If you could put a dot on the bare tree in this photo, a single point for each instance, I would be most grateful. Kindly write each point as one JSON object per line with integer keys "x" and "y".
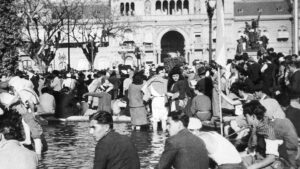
{"x": 44, "y": 22}
{"x": 97, "y": 23}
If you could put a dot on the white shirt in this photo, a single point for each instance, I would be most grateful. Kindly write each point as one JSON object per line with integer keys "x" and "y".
{"x": 47, "y": 104}
{"x": 220, "y": 149}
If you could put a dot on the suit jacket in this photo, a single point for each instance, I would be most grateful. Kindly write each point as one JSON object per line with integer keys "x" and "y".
{"x": 184, "y": 151}
{"x": 116, "y": 151}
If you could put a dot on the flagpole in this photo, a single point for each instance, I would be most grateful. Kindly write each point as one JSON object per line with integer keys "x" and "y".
{"x": 296, "y": 22}
{"x": 220, "y": 100}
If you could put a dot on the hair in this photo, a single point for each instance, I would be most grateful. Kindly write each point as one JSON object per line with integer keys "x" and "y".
{"x": 45, "y": 90}
{"x": 101, "y": 73}
{"x": 103, "y": 117}
{"x": 241, "y": 86}
{"x": 137, "y": 79}
{"x": 254, "y": 107}
{"x": 159, "y": 68}
{"x": 294, "y": 64}
{"x": 65, "y": 90}
{"x": 10, "y": 125}
{"x": 55, "y": 72}
{"x": 180, "y": 116}
{"x": 200, "y": 86}
{"x": 235, "y": 88}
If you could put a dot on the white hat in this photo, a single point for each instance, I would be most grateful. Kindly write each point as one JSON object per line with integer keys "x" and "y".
{"x": 194, "y": 124}
{"x": 68, "y": 75}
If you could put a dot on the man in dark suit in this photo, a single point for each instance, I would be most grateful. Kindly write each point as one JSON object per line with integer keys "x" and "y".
{"x": 183, "y": 150}
{"x": 113, "y": 150}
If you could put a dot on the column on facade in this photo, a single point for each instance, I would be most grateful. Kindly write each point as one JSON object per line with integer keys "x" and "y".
{"x": 153, "y": 7}
{"x": 175, "y": 7}
{"x": 158, "y": 56}
{"x": 185, "y": 51}
{"x": 168, "y": 13}
{"x": 191, "y": 6}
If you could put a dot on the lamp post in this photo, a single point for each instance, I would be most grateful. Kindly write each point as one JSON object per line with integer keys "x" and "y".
{"x": 210, "y": 8}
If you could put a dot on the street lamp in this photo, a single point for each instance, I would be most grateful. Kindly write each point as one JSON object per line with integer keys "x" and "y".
{"x": 210, "y": 8}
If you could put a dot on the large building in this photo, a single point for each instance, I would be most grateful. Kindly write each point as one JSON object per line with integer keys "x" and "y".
{"x": 181, "y": 27}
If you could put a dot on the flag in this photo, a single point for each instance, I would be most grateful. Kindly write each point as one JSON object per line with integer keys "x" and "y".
{"x": 220, "y": 47}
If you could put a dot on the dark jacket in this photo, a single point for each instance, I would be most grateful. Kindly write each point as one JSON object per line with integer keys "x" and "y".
{"x": 116, "y": 151}
{"x": 184, "y": 151}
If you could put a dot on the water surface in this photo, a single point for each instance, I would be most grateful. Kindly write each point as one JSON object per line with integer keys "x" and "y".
{"x": 71, "y": 146}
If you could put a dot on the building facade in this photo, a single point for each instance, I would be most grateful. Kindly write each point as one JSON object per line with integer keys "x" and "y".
{"x": 164, "y": 28}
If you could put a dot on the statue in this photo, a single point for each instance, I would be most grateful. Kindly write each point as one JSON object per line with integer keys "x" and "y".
{"x": 148, "y": 7}
{"x": 252, "y": 40}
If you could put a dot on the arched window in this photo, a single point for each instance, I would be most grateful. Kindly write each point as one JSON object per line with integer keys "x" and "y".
{"x": 158, "y": 5}
{"x": 172, "y": 7}
{"x": 179, "y": 6}
{"x": 127, "y": 8}
{"x": 122, "y": 8}
{"x": 165, "y": 7}
{"x": 132, "y": 8}
{"x": 185, "y": 7}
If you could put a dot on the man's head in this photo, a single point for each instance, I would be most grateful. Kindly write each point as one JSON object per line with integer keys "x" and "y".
{"x": 100, "y": 124}
{"x": 8, "y": 131}
{"x": 259, "y": 93}
{"x": 160, "y": 70}
{"x": 9, "y": 126}
{"x": 254, "y": 112}
{"x": 177, "y": 121}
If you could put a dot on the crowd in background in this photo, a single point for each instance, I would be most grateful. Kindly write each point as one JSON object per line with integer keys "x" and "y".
{"x": 259, "y": 102}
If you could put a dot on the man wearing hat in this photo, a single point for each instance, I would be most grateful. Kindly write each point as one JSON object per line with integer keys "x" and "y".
{"x": 113, "y": 150}
{"x": 219, "y": 148}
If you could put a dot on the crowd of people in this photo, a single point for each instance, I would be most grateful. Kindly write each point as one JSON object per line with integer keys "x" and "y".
{"x": 259, "y": 108}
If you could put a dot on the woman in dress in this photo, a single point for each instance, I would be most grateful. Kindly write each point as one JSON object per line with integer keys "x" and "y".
{"x": 137, "y": 108}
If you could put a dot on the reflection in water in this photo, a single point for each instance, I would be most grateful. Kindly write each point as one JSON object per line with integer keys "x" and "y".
{"x": 71, "y": 146}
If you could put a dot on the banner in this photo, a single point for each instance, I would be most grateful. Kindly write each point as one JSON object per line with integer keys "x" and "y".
{"x": 220, "y": 47}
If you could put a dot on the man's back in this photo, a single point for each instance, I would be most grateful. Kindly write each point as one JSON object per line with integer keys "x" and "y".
{"x": 15, "y": 156}
{"x": 115, "y": 151}
{"x": 184, "y": 151}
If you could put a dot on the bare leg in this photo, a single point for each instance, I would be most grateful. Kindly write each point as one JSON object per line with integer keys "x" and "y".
{"x": 38, "y": 147}
{"x": 27, "y": 140}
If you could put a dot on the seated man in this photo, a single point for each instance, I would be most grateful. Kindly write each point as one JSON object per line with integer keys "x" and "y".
{"x": 47, "y": 102}
{"x": 274, "y": 140}
{"x": 113, "y": 151}
{"x": 183, "y": 150}
{"x": 12, "y": 153}
{"x": 224, "y": 154}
